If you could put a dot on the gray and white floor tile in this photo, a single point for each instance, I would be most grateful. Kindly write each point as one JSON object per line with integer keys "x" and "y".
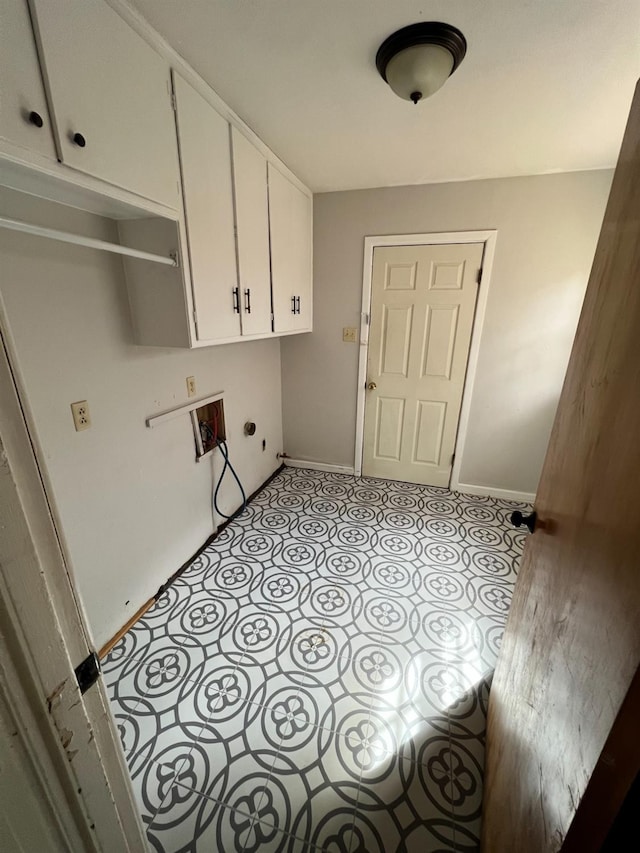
{"x": 318, "y": 678}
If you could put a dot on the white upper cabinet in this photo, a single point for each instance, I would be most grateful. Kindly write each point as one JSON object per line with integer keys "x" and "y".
{"x": 24, "y": 117}
{"x": 290, "y": 222}
{"x": 205, "y": 160}
{"x": 252, "y": 230}
{"x": 80, "y": 86}
{"x": 110, "y": 97}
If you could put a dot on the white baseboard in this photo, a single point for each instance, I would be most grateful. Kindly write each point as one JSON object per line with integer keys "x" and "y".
{"x": 318, "y": 466}
{"x": 491, "y": 492}
{"x": 465, "y": 488}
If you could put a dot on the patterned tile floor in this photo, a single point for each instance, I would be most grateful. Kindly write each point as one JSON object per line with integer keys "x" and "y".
{"x": 317, "y": 680}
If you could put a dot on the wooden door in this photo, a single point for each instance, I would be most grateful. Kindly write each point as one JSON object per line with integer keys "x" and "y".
{"x": 205, "y": 161}
{"x": 290, "y": 231}
{"x": 107, "y": 85}
{"x": 572, "y": 641}
{"x": 423, "y": 302}
{"x": 21, "y": 87}
{"x": 252, "y": 234}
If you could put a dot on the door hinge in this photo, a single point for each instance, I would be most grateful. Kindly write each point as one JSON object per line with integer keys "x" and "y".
{"x": 88, "y": 672}
{"x": 479, "y": 276}
{"x": 365, "y": 317}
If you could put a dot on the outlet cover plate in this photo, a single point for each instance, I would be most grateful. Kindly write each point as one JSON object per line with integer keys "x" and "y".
{"x": 81, "y": 415}
{"x": 191, "y": 386}
{"x": 350, "y": 334}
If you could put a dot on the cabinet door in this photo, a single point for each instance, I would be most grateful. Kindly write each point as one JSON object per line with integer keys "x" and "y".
{"x": 290, "y": 214}
{"x": 252, "y": 229}
{"x": 110, "y": 96}
{"x": 22, "y": 98}
{"x": 205, "y": 159}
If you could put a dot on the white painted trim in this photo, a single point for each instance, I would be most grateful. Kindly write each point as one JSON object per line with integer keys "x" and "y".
{"x": 474, "y": 353}
{"x": 37, "y": 767}
{"x": 491, "y": 492}
{"x": 30, "y": 173}
{"x": 238, "y": 339}
{"x": 49, "y": 637}
{"x": 318, "y": 466}
{"x": 450, "y": 237}
{"x": 191, "y": 406}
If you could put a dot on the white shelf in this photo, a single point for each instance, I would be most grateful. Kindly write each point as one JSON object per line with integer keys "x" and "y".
{"x": 191, "y": 406}
{"x": 80, "y": 240}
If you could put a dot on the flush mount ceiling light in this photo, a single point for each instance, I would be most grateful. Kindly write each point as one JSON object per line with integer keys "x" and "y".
{"x": 418, "y": 59}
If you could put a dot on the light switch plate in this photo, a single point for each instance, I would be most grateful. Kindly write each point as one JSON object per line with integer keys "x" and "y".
{"x": 350, "y": 334}
{"x": 81, "y": 416}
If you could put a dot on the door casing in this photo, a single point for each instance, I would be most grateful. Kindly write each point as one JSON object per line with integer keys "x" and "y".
{"x": 489, "y": 239}
{"x": 78, "y": 763}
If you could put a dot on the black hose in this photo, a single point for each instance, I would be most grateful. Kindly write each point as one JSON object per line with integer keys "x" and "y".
{"x": 227, "y": 465}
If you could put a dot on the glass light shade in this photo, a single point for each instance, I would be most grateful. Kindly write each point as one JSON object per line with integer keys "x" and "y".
{"x": 422, "y": 69}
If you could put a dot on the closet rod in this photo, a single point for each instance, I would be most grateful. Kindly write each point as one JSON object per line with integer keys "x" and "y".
{"x": 79, "y": 240}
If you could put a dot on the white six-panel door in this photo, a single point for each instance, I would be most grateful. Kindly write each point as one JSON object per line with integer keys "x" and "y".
{"x": 422, "y": 308}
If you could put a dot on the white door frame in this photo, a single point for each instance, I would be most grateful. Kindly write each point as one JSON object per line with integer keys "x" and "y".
{"x": 438, "y": 239}
{"x": 77, "y": 766}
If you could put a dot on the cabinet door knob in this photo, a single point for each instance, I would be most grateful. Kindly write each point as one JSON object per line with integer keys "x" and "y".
{"x": 35, "y": 118}
{"x": 79, "y": 140}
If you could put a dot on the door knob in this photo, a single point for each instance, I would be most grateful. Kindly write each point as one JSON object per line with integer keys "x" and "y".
{"x": 518, "y": 519}
{"x": 79, "y": 140}
{"x": 372, "y": 386}
{"x": 35, "y": 118}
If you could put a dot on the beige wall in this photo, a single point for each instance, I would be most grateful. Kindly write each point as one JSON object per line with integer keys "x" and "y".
{"x": 133, "y": 503}
{"x": 547, "y": 231}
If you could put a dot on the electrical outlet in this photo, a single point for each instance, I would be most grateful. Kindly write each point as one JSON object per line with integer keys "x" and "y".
{"x": 191, "y": 386}
{"x": 350, "y": 334}
{"x": 81, "y": 416}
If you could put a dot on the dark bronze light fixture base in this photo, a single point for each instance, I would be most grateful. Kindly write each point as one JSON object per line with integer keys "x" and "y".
{"x": 427, "y": 32}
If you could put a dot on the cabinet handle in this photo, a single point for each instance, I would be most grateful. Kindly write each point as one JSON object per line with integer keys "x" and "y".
{"x": 236, "y": 300}
{"x": 298, "y": 299}
{"x": 79, "y": 140}
{"x": 35, "y": 118}
{"x": 247, "y": 300}
{"x": 293, "y": 305}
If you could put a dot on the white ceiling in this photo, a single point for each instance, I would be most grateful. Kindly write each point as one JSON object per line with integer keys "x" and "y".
{"x": 545, "y": 86}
